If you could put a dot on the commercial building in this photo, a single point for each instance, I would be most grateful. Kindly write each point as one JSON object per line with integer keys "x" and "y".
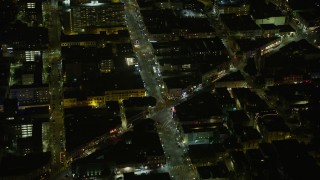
{"x": 239, "y": 7}
{"x": 84, "y": 16}
{"x": 31, "y": 11}
{"x": 30, "y": 95}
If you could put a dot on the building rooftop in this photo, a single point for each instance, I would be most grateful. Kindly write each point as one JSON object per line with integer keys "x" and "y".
{"x": 235, "y": 76}
{"x": 122, "y": 80}
{"x": 123, "y": 154}
{"x": 297, "y": 5}
{"x": 302, "y": 47}
{"x": 219, "y": 170}
{"x": 79, "y": 54}
{"x": 193, "y": 25}
{"x": 82, "y": 37}
{"x": 297, "y": 163}
{"x": 268, "y": 151}
{"x": 25, "y": 36}
{"x": 88, "y": 122}
{"x": 178, "y": 81}
{"x": 231, "y": 2}
{"x": 153, "y": 176}
{"x": 238, "y": 116}
{"x": 149, "y": 142}
{"x": 157, "y": 14}
{"x": 296, "y": 56}
{"x": 139, "y": 102}
{"x": 208, "y": 44}
{"x": 239, "y": 160}
{"x": 254, "y": 156}
{"x": 286, "y": 28}
{"x": 250, "y": 100}
{"x": 257, "y": 43}
{"x": 205, "y": 151}
{"x": 84, "y": 90}
{"x": 310, "y": 17}
{"x": 19, "y": 165}
{"x": 18, "y": 86}
{"x": 217, "y": 127}
{"x": 293, "y": 93}
{"x": 200, "y": 107}
{"x": 250, "y": 133}
{"x": 134, "y": 147}
{"x": 222, "y": 92}
{"x": 239, "y": 23}
{"x": 37, "y": 111}
{"x": 261, "y": 10}
{"x": 269, "y": 27}
{"x": 273, "y": 123}
{"x": 231, "y": 143}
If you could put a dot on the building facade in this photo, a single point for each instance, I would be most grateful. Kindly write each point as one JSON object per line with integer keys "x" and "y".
{"x": 96, "y": 14}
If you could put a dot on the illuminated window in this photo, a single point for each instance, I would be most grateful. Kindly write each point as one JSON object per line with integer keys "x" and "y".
{"x": 10, "y": 118}
{"x": 130, "y": 61}
{"x": 186, "y": 66}
{"x": 31, "y": 5}
{"x": 26, "y": 130}
{"x": 27, "y": 151}
{"x": 30, "y": 55}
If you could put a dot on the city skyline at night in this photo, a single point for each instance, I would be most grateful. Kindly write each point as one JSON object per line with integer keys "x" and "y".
{"x": 154, "y": 89}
